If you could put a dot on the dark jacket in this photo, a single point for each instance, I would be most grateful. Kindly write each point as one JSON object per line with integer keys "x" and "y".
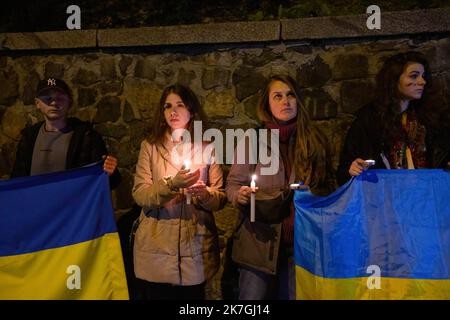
{"x": 257, "y": 245}
{"x": 86, "y": 146}
{"x": 364, "y": 141}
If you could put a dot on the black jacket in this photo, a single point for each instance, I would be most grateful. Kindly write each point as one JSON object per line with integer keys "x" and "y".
{"x": 364, "y": 141}
{"x": 86, "y": 146}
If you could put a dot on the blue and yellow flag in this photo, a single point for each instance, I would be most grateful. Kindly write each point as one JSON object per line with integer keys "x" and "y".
{"x": 383, "y": 235}
{"x": 58, "y": 238}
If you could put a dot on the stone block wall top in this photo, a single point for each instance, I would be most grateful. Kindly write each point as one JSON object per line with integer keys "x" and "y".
{"x": 68, "y": 39}
{"x": 230, "y": 32}
{"x": 392, "y": 23}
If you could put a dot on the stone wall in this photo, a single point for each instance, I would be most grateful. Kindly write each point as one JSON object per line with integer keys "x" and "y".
{"x": 118, "y": 89}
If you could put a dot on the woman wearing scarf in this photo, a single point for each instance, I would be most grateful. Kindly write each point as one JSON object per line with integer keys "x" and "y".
{"x": 264, "y": 249}
{"x": 397, "y": 129}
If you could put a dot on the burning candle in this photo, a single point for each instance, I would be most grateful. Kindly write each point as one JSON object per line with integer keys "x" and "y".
{"x": 252, "y": 199}
{"x": 186, "y": 166}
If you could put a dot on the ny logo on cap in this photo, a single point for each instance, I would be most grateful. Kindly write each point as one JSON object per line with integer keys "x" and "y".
{"x": 51, "y": 82}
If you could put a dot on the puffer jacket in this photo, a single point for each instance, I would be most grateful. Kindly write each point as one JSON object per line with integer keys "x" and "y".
{"x": 175, "y": 242}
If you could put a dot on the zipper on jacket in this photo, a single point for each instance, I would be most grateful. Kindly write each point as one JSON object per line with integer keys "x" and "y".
{"x": 179, "y": 242}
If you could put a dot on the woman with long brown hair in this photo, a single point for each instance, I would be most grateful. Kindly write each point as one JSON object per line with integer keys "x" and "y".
{"x": 264, "y": 248}
{"x": 397, "y": 130}
{"x": 176, "y": 244}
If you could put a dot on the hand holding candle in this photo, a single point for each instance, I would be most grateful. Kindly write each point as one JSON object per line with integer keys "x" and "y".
{"x": 252, "y": 199}
{"x": 185, "y": 178}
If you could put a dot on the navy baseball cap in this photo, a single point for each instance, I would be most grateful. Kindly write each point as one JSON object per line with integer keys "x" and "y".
{"x": 53, "y": 83}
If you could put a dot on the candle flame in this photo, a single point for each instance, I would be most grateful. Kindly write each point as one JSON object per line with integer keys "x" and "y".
{"x": 187, "y": 164}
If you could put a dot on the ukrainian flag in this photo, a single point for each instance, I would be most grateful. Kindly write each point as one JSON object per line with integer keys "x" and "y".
{"x": 58, "y": 238}
{"x": 383, "y": 235}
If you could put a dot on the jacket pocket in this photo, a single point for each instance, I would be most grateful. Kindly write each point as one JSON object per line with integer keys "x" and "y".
{"x": 157, "y": 236}
{"x": 255, "y": 245}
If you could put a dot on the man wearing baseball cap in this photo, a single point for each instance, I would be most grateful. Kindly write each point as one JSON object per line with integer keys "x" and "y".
{"x": 59, "y": 142}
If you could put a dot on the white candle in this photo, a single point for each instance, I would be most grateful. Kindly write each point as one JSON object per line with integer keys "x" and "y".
{"x": 186, "y": 166}
{"x": 252, "y": 199}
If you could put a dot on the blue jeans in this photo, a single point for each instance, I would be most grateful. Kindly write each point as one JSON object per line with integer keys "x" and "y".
{"x": 257, "y": 285}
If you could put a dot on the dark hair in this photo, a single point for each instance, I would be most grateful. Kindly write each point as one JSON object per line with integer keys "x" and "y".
{"x": 160, "y": 125}
{"x": 387, "y": 96}
{"x": 312, "y": 163}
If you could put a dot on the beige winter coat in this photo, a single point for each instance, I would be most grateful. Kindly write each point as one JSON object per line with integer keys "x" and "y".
{"x": 175, "y": 243}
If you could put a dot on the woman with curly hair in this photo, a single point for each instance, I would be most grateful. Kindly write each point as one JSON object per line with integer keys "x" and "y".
{"x": 397, "y": 130}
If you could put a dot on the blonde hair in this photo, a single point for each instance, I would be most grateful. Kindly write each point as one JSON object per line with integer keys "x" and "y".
{"x": 312, "y": 164}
